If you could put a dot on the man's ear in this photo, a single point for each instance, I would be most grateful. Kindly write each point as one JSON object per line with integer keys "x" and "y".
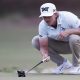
{"x": 56, "y": 14}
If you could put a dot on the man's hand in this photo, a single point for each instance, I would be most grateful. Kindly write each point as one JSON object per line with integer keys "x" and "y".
{"x": 46, "y": 58}
{"x": 68, "y": 32}
{"x": 64, "y": 34}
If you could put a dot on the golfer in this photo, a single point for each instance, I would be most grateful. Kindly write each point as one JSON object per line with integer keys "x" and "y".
{"x": 59, "y": 33}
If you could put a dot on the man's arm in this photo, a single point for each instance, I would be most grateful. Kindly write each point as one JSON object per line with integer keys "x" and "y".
{"x": 44, "y": 47}
{"x": 73, "y": 31}
{"x": 68, "y": 32}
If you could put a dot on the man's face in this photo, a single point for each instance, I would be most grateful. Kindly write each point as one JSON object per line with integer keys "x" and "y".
{"x": 50, "y": 20}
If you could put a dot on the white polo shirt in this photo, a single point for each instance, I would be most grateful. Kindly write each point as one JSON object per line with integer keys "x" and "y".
{"x": 66, "y": 20}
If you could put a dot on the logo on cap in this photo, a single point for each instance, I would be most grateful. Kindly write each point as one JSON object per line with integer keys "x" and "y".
{"x": 45, "y": 9}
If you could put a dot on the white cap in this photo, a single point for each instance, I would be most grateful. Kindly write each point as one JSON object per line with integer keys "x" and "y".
{"x": 47, "y": 9}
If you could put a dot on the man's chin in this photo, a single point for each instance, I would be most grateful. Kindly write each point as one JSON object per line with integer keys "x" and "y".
{"x": 49, "y": 24}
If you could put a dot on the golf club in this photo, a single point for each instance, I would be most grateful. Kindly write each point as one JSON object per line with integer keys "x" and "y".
{"x": 22, "y": 73}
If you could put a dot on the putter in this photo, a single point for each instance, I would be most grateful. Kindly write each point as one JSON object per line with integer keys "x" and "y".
{"x": 22, "y": 73}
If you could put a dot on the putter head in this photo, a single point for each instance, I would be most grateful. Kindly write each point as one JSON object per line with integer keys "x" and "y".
{"x": 21, "y": 73}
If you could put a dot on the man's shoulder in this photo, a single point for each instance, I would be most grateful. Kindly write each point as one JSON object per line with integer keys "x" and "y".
{"x": 42, "y": 23}
{"x": 66, "y": 13}
{"x": 67, "y": 16}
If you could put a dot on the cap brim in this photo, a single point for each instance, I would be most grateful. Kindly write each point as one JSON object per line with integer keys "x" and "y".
{"x": 46, "y": 14}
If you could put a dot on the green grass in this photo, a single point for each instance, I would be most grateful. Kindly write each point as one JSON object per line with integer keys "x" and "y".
{"x": 16, "y": 49}
{"x": 16, "y": 52}
{"x": 39, "y": 77}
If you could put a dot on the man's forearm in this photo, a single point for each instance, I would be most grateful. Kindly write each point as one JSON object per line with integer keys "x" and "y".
{"x": 73, "y": 31}
{"x": 43, "y": 46}
{"x": 44, "y": 51}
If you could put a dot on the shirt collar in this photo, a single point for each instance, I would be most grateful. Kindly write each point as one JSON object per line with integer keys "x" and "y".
{"x": 59, "y": 20}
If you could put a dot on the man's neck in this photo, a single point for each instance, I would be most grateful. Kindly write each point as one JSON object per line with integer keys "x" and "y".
{"x": 55, "y": 25}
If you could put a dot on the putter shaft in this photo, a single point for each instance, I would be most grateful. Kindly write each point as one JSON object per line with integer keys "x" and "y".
{"x": 35, "y": 66}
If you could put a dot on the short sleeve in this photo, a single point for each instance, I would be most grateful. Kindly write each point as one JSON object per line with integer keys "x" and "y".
{"x": 73, "y": 20}
{"x": 42, "y": 29}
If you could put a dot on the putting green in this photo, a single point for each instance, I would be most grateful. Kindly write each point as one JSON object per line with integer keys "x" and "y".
{"x": 4, "y": 76}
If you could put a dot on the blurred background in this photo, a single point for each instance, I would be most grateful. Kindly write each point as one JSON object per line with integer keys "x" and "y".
{"x": 18, "y": 24}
